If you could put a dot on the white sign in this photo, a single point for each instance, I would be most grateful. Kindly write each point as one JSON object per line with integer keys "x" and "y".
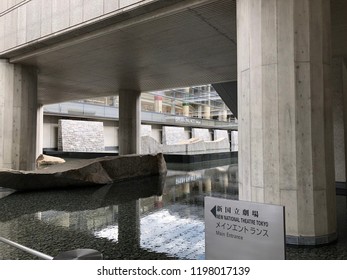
{"x": 242, "y": 230}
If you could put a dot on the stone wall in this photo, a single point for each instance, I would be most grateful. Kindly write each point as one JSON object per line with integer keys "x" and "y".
{"x": 218, "y": 134}
{"x": 80, "y": 136}
{"x": 201, "y": 133}
{"x": 173, "y": 135}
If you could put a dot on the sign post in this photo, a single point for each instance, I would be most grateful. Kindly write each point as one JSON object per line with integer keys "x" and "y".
{"x": 242, "y": 230}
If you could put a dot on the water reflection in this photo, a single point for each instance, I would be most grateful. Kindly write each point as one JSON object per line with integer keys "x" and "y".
{"x": 150, "y": 218}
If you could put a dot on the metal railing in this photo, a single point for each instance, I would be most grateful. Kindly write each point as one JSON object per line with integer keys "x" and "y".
{"x": 78, "y": 254}
{"x": 108, "y": 112}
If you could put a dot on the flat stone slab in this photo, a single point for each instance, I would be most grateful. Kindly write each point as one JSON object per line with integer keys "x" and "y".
{"x": 87, "y": 172}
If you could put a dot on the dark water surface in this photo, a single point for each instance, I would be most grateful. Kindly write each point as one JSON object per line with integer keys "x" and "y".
{"x": 151, "y": 218}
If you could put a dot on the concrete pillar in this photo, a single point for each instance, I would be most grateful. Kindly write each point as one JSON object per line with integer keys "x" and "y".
{"x": 199, "y": 111}
{"x": 39, "y": 131}
{"x": 18, "y": 114}
{"x": 186, "y": 109}
{"x": 201, "y": 187}
{"x": 158, "y": 202}
{"x": 158, "y": 104}
{"x": 344, "y": 78}
{"x": 225, "y": 180}
{"x": 186, "y": 188}
{"x": 173, "y": 107}
{"x": 129, "y": 143}
{"x": 208, "y": 185}
{"x": 339, "y": 82}
{"x": 285, "y": 118}
{"x": 223, "y": 115}
{"x": 129, "y": 122}
{"x": 207, "y": 112}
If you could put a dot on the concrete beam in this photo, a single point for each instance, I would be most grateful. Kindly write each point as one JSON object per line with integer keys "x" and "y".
{"x": 228, "y": 93}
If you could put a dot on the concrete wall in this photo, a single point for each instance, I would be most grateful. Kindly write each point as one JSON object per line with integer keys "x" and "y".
{"x": 50, "y": 132}
{"x": 26, "y": 21}
{"x": 111, "y": 133}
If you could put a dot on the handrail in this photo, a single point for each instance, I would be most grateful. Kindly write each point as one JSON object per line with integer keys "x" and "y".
{"x": 78, "y": 254}
{"x": 26, "y": 249}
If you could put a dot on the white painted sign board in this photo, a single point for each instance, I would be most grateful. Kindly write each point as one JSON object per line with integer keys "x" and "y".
{"x": 242, "y": 230}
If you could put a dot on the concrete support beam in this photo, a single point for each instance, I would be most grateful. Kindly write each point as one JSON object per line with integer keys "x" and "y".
{"x": 18, "y": 115}
{"x": 185, "y": 108}
{"x": 285, "y": 116}
{"x": 129, "y": 143}
{"x": 339, "y": 86}
{"x": 228, "y": 92}
{"x": 158, "y": 104}
{"x": 207, "y": 112}
{"x": 39, "y": 131}
{"x": 129, "y": 122}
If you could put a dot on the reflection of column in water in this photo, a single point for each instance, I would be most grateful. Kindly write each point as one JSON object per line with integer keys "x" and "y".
{"x": 129, "y": 223}
{"x": 225, "y": 182}
{"x": 208, "y": 185}
{"x": 201, "y": 187}
{"x": 158, "y": 202}
{"x": 186, "y": 188}
{"x": 233, "y": 175}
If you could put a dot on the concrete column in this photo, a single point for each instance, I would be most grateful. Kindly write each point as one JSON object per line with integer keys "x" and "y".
{"x": 207, "y": 112}
{"x": 199, "y": 111}
{"x": 18, "y": 114}
{"x": 208, "y": 185}
{"x": 158, "y": 104}
{"x": 173, "y": 107}
{"x": 186, "y": 109}
{"x": 344, "y": 85}
{"x": 39, "y": 131}
{"x": 285, "y": 118}
{"x": 186, "y": 188}
{"x": 129, "y": 143}
{"x": 339, "y": 116}
{"x": 129, "y": 122}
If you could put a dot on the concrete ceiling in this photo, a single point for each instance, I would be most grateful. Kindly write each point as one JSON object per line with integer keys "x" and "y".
{"x": 189, "y": 46}
{"x": 183, "y": 46}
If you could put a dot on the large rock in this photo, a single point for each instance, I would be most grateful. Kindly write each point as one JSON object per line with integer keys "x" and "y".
{"x": 43, "y": 161}
{"x": 99, "y": 171}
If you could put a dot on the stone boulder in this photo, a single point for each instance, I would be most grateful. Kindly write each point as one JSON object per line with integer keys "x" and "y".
{"x": 88, "y": 172}
{"x": 43, "y": 161}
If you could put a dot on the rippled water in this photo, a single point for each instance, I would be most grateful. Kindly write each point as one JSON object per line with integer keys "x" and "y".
{"x": 151, "y": 218}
